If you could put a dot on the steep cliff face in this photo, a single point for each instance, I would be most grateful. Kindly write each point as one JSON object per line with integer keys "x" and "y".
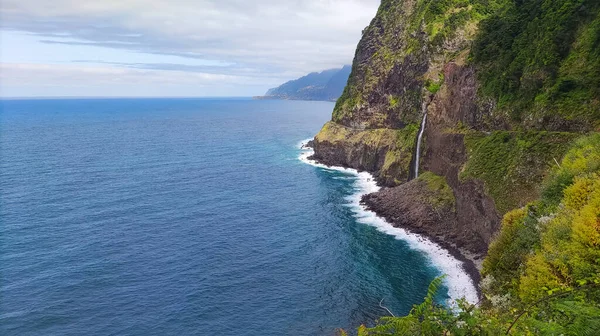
{"x": 411, "y": 61}
{"x": 383, "y": 151}
{"x": 490, "y": 139}
{"x": 509, "y": 95}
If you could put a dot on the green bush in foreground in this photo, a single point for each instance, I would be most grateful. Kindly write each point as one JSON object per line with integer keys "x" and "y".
{"x": 542, "y": 273}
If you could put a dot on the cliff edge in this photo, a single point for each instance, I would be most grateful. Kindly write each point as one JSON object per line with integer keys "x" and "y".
{"x": 494, "y": 108}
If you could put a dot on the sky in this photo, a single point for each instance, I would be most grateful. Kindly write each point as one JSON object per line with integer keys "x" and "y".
{"x": 179, "y": 48}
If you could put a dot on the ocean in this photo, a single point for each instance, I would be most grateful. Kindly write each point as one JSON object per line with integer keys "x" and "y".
{"x": 192, "y": 217}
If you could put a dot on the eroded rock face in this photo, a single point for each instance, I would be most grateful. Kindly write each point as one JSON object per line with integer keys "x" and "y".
{"x": 457, "y": 102}
{"x": 399, "y": 74}
{"x": 409, "y": 206}
{"x": 384, "y": 88}
{"x": 384, "y": 152}
{"x": 362, "y": 157}
{"x": 469, "y": 225}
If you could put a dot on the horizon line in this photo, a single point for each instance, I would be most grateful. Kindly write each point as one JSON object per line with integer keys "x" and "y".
{"x": 119, "y": 97}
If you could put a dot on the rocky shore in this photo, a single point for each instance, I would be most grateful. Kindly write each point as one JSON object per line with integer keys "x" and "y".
{"x": 404, "y": 207}
{"x": 408, "y": 207}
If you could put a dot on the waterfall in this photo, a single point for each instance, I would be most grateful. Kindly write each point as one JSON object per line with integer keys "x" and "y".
{"x": 419, "y": 140}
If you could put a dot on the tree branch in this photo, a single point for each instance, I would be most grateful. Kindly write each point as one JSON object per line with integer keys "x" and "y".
{"x": 526, "y": 310}
{"x": 382, "y": 306}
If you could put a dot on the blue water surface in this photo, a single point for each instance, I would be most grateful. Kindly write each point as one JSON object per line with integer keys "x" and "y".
{"x": 184, "y": 217}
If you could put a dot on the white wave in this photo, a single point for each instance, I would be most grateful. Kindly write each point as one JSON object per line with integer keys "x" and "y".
{"x": 459, "y": 283}
{"x": 303, "y": 143}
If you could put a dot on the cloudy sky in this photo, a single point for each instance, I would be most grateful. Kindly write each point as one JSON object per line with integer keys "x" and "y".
{"x": 172, "y": 47}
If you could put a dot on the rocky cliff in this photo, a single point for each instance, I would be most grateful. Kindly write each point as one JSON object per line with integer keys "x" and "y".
{"x": 500, "y": 113}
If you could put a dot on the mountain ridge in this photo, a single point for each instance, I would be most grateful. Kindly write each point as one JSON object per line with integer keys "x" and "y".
{"x": 326, "y": 85}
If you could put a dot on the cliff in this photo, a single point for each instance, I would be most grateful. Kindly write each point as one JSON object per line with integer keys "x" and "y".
{"x": 501, "y": 90}
{"x": 326, "y": 86}
{"x": 412, "y": 60}
{"x": 489, "y": 136}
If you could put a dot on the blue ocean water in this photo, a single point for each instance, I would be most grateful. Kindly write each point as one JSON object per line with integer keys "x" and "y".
{"x": 185, "y": 217}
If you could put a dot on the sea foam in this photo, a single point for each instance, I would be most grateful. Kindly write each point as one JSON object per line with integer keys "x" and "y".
{"x": 459, "y": 283}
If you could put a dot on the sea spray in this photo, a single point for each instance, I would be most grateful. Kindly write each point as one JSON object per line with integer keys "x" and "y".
{"x": 459, "y": 284}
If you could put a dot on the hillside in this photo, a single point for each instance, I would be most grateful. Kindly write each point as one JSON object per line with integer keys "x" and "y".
{"x": 504, "y": 97}
{"x": 326, "y": 85}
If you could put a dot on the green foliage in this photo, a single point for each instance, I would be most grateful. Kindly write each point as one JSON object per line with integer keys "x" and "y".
{"x": 393, "y": 101}
{"x": 546, "y": 226}
{"x": 558, "y": 314}
{"x": 427, "y": 318}
{"x": 570, "y": 250}
{"x": 513, "y": 164}
{"x": 508, "y": 252}
{"x": 541, "y": 61}
{"x": 583, "y": 157}
{"x": 404, "y": 34}
{"x": 542, "y": 273}
{"x": 434, "y": 86}
{"x": 396, "y": 144}
{"x": 440, "y": 195}
{"x": 443, "y": 18}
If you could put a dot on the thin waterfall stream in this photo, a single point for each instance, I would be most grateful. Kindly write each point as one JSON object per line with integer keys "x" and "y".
{"x": 419, "y": 141}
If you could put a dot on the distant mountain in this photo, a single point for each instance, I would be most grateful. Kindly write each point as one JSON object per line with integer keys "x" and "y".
{"x": 326, "y": 85}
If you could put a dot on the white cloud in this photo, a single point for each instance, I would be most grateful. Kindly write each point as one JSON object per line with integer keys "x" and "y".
{"x": 23, "y": 79}
{"x": 293, "y": 35}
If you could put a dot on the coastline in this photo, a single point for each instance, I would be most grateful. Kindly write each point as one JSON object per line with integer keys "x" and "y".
{"x": 462, "y": 275}
{"x": 470, "y": 263}
{"x": 292, "y": 98}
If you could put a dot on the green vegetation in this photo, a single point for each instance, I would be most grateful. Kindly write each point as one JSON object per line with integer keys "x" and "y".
{"x": 513, "y": 164}
{"x": 393, "y": 101}
{"x": 542, "y": 274}
{"x": 571, "y": 189}
{"x": 396, "y": 144}
{"x": 508, "y": 252}
{"x": 381, "y": 137}
{"x": 398, "y": 35}
{"x": 429, "y": 318}
{"x": 538, "y": 69}
{"x": 443, "y": 19}
{"x": 398, "y": 157}
{"x": 583, "y": 157}
{"x": 541, "y": 61}
{"x": 434, "y": 86}
{"x": 440, "y": 195}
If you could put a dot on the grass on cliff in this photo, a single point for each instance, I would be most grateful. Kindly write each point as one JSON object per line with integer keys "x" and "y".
{"x": 381, "y": 137}
{"x": 397, "y": 143}
{"x": 538, "y": 60}
{"x": 401, "y": 29}
{"x": 444, "y": 18}
{"x": 542, "y": 274}
{"x": 541, "y": 61}
{"x": 553, "y": 244}
{"x": 513, "y": 164}
{"x": 433, "y": 86}
{"x": 440, "y": 195}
